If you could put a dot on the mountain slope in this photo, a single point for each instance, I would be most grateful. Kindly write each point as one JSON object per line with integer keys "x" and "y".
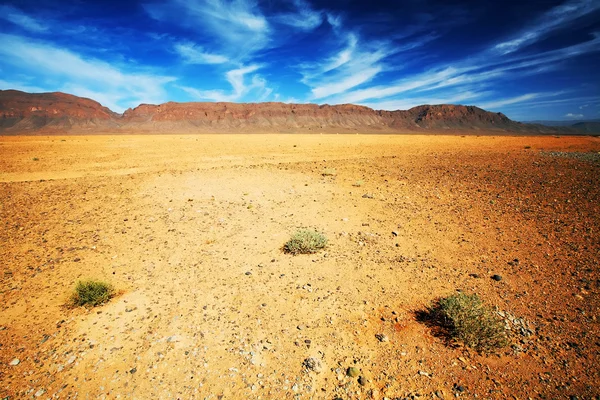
{"x": 24, "y": 113}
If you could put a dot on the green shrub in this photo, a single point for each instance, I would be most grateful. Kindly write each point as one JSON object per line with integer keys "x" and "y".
{"x": 468, "y": 320}
{"x": 92, "y": 293}
{"x": 305, "y": 241}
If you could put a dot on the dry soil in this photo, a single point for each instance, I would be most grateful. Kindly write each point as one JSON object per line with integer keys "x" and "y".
{"x": 190, "y": 230}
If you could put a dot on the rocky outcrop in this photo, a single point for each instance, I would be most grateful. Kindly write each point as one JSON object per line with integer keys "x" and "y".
{"x": 59, "y": 112}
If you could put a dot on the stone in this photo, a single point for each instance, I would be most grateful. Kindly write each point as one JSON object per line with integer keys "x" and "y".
{"x": 362, "y": 381}
{"x": 14, "y": 362}
{"x": 352, "y": 372}
{"x": 313, "y": 364}
{"x": 40, "y": 392}
{"x": 497, "y": 278}
{"x": 382, "y": 338}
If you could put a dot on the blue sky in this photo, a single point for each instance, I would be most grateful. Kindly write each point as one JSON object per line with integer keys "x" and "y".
{"x": 527, "y": 59}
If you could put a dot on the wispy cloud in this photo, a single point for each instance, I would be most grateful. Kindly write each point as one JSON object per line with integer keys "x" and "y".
{"x": 17, "y": 17}
{"x": 304, "y": 16}
{"x": 241, "y": 86}
{"x": 556, "y": 18}
{"x": 193, "y": 54}
{"x": 120, "y": 88}
{"x": 238, "y": 26}
{"x": 574, "y": 116}
{"x": 512, "y": 100}
{"x": 353, "y": 65}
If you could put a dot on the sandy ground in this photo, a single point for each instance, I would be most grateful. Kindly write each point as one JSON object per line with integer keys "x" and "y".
{"x": 190, "y": 230}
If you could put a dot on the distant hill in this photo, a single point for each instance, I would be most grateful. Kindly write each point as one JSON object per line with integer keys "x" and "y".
{"x": 582, "y": 126}
{"x": 46, "y": 113}
{"x": 560, "y": 123}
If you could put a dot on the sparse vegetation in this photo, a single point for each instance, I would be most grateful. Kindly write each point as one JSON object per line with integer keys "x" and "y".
{"x": 466, "y": 319}
{"x": 305, "y": 241}
{"x": 92, "y": 293}
{"x": 329, "y": 172}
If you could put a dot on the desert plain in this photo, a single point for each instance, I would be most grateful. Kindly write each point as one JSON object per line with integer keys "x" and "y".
{"x": 190, "y": 230}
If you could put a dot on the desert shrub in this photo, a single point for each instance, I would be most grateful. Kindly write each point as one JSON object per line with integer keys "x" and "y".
{"x": 329, "y": 172}
{"x": 305, "y": 241}
{"x": 469, "y": 321}
{"x": 92, "y": 293}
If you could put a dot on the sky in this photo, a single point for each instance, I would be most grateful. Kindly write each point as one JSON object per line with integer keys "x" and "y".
{"x": 531, "y": 60}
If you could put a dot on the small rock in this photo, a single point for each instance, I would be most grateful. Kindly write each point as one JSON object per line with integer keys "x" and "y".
{"x": 77, "y": 259}
{"x": 497, "y": 278}
{"x": 439, "y": 394}
{"x": 459, "y": 388}
{"x": 71, "y": 360}
{"x": 352, "y": 372}
{"x": 14, "y": 362}
{"x": 395, "y": 233}
{"x": 133, "y": 370}
{"x": 248, "y": 273}
{"x": 301, "y": 327}
{"x": 382, "y": 338}
{"x": 362, "y": 381}
{"x": 423, "y": 373}
{"x": 474, "y": 276}
{"x": 367, "y": 196}
{"x": 313, "y": 364}
{"x": 40, "y": 392}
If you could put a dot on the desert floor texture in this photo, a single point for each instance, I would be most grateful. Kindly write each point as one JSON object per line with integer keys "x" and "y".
{"x": 190, "y": 229}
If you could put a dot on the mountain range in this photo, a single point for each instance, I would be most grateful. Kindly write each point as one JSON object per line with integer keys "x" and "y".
{"x": 53, "y": 113}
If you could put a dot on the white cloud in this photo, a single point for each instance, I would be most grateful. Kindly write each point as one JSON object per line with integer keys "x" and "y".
{"x": 574, "y": 116}
{"x": 241, "y": 86}
{"x": 17, "y": 17}
{"x": 193, "y": 54}
{"x": 556, "y": 18}
{"x": 119, "y": 88}
{"x": 237, "y": 26}
{"x": 304, "y": 18}
{"x": 512, "y": 100}
{"x": 351, "y": 66}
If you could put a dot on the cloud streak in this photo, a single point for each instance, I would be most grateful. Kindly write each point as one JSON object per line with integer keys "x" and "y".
{"x": 85, "y": 76}
{"x": 16, "y": 17}
{"x": 556, "y": 18}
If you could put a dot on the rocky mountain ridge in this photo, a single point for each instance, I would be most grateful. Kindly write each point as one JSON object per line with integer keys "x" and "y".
{"x": 44, "y": 113}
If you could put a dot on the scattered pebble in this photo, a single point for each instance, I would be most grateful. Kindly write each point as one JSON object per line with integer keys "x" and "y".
{"x": 352, "y": 372}
{"x": 497, "y": 278}
{"x": 14, "y": 362}
{"x": 362, "y": 381}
